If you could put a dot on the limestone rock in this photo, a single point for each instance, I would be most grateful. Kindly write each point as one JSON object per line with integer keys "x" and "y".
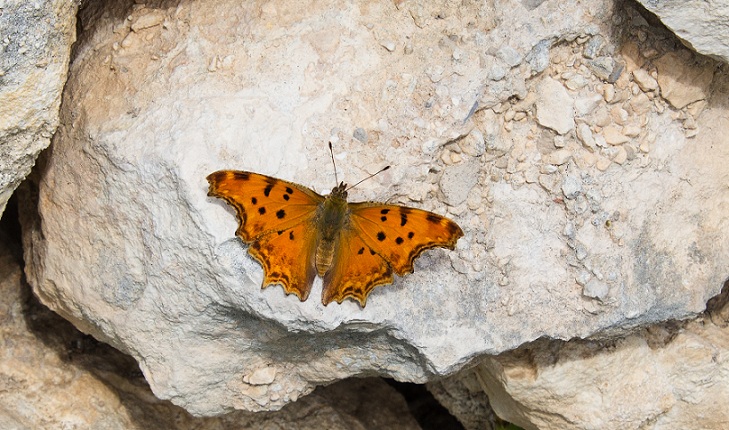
{"x": 555, "y": 107}
{"x": 682, "y": 82}
{"x": 671, "y": 376}
{"x": 53, "y": 376}
{"x": 458, "y": 180}
{"x": 701, "y": 24}
{"x": 35, "y": 42}
{"x": 463, "y": 395}
{"x": 121, "y": 239}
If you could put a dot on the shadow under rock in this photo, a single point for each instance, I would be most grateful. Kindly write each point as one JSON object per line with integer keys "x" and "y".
{"x": 351, "y": 403}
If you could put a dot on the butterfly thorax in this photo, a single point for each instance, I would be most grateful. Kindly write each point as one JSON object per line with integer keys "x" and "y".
{"x": 332, "y": 216}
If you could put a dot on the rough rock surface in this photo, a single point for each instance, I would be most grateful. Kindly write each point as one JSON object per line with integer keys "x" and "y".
{"x": 53, "y": 376}
{"x": 668, "y": 376}
{"x": 701, "y": 24}
{"x": 35, "y": 42}
{"x": 463, "y": 395}
{"x": 604, "y": 228}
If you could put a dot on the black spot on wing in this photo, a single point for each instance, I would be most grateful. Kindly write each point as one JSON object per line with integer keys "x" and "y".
{"x": 254, "y": 200}
{"x": 372, "y": 252}
{"x": 291, "y": 235}
{"x": 289, "y": 190}
{"x": 286, "y": 197}
{"x": 403, "y": 219}
{"x": 262, "y": 210}
{"x": 243, "y": 176}
{"x": 399, "y": 240}
{"x": 280, "y": 232}
{"x": 384, "y": 211}
{"x": 452, "y": 228}
{"x": 410, "y": 235}
{"x": 361, "y": 251}
{"x": 267, "y": 190}
{"x": 281, "y": 214}
{"x": 381, "y": 236}
{"x": 383, "y": 218}
{"x": 435, "y": 219}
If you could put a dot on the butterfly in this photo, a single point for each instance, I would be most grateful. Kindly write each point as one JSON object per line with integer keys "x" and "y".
{"x": 297, "y": 234}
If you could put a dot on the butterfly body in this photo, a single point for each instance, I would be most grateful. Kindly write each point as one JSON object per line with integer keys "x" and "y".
{"x": 332, "y": 217}
{"x": 297, "y": 234}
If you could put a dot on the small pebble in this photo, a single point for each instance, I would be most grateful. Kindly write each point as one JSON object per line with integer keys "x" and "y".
{"x": 613, "y": 136}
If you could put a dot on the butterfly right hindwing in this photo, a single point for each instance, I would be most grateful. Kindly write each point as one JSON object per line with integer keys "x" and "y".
{"x": 400, "y": 234}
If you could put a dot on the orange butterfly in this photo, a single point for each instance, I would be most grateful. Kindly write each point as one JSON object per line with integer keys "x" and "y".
{"x": 296, "y": 234}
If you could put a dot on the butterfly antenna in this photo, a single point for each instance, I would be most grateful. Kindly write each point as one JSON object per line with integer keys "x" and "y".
{"x": 331, "y": 152}
{"x": 376, "y": 173}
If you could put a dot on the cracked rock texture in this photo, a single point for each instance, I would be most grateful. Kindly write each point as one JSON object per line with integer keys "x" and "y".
{"x": 667, "y": 376}
{"x": 35, "y": 46}
{"x": 612, "y": 219}
{"x": 53, "y": 376}
{"x": 701, "y": 24}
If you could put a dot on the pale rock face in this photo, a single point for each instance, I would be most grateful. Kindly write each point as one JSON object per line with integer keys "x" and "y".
{"x": 671, "y": 376}
{"x": 683, "y": 83}
{"x": 35, "y": 42}
{"x": 53, "y": 376}
{"x": 554, "y": 107}
{"x": 701, "y": 24}
{"x": 122, "y": 240}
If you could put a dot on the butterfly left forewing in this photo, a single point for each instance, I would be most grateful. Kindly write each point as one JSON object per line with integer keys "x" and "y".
{"x": 276, "y": 219}
{"x": 400, "y": 234}
{"x": 262, "y": 203}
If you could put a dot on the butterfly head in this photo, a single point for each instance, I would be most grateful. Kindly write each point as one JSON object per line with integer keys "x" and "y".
{"x": 340, "y": 191}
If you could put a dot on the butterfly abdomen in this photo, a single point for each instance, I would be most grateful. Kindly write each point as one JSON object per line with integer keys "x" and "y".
{"x": 332, "y": 217}
{"x": 324, "y": 256}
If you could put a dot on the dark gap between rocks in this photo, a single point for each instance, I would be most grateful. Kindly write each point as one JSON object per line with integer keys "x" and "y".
{"x": 428, "y": 412}
{"x": 10, "y": 229}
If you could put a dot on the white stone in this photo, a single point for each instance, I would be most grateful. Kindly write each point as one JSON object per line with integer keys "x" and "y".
{"x": 645, "y": 81}
{"x": 571, "y": 186}
{"x": 554, "y": 106}
{"x": 584, "y": 105}
{"x": 596, "y": 289}
{"x": 558, "y": 157}
{"x": 261, "y": 376}
{"x": 683, "y": 83}
{"x": 613, "y": 136}
{"x": 457, "y": 181}
{"x": 701, "y": 24}
{"x": 36, "y": 45}
{"x": 674, "y": 378}
{"x": 584, "y": 134}
{"x": 473, "y": 144}
{"x": 40, "y": 373}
